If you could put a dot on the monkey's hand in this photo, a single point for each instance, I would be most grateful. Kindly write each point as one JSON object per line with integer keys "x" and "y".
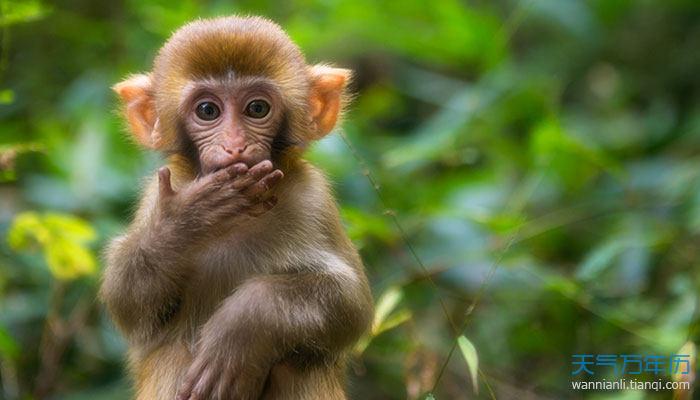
{"x": 232, "y": 360}
{"x": 210, "y": 201}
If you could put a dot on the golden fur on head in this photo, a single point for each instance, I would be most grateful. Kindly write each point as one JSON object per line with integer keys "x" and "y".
{"x": 230, "y": 46}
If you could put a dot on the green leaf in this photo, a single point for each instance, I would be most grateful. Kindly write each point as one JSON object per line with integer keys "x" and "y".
{"x": 361, "y": 225}
{"x": 385, "y": 305}
{"x": 8, "y": 345}
{"x": 470, "y": 356}
{"x": 430, "y": 396}
{"x": 384, "y": 320}
{"x": 72, "y": 227}
{"x": 68, "y": 260}
{"x": 62, "y": 238}
{"x": 26, "y": 228}
{"x": 599, "y": 259}
{"x": 393, "y": 321}
{"x": 7, "y": 96}
{"x": 14, "y": 12}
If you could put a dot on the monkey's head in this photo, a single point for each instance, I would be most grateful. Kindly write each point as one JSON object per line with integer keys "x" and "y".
{"x": 231, "y": 89}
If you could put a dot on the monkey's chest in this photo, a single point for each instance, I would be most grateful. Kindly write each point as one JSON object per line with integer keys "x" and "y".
{"x": 217, "y": 273}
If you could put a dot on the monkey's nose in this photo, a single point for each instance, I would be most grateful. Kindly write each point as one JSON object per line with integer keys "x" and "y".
{"x": 237, "y": 149}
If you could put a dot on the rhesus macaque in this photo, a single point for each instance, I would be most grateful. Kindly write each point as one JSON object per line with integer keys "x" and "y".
{"x": 235, "y": 279}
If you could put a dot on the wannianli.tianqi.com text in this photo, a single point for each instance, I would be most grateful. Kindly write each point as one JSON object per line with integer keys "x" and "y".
{"x": 629, "y": 384}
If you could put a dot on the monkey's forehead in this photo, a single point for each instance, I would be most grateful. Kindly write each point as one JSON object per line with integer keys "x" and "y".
{"x": 217, "y": 47}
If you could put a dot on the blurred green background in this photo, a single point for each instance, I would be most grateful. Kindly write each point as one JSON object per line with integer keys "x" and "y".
{"x": 522, "y": 173}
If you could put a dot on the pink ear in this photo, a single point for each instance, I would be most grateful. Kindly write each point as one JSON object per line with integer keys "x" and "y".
{"x": 326, "y": 97}
{"x": 136, "y": 92}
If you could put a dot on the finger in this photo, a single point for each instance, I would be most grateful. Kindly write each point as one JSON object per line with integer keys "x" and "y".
{"x": 164, "y": 187}
{"x": 264, "y": 184}
{"x": 203, "y": 387}
{"x": 224, "y": 389}
{"x": 191, "y": 378}
{"x": 262, "y": 207}
{"x": 229, "y": 172}
{"x": 254, "y": 174}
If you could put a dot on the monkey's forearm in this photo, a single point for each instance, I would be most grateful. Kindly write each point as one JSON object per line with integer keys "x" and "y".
{"x": 309, "y": 313}
{"x": 144, "y": 279}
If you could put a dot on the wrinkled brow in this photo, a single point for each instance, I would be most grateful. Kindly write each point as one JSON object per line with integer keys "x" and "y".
{"x": 229, "y": 84}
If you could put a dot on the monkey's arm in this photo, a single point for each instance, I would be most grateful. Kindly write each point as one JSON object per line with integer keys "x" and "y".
{"x": 143, "y": 280}
{"x": 148, "y": 268}
{"x": 271, "y": 317}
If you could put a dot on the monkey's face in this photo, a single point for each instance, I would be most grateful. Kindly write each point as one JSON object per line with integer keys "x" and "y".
{"x": 231, "y": 121}
{"x": 232, "y": 90}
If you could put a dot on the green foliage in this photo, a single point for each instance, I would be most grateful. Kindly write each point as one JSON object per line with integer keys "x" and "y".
{"x": 62, "y": 239}
{"x": 539, "y": 156}
{"x": 471, "y": 357}
{"x": 14, "y": 11}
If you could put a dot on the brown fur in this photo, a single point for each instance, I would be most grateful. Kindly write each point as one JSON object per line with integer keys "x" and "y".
{"x": 275, "y": 299}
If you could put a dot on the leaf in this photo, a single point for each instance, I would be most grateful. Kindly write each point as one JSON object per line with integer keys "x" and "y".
{"x": 8, "y": 345}
{"x": 599, "y": 259}
{"x": 14, "y": 12}
{"x": 362, "y": 225}
{"x": 430, "y": 396}
{"x": 393, "y": 321}
{"x": 68, "y": 260}
{"x": 684, "y": 374}
{"x": 62, "y": 238}
{"x": 25, "y": 228}
{"x": 385, "y": 305}
{"x": 7, "y": 96}
{"x": 470, "y": 356}
{"x": 75, "y": 228}
{"x": 384, "y": 320}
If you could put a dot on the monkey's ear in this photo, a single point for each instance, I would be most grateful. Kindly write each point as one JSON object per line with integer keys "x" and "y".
{"x": 136, "y": 93}
{"x": 326, "y": 97}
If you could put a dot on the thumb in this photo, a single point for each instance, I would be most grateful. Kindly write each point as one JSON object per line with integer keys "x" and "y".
{"x": 165, "y": 189}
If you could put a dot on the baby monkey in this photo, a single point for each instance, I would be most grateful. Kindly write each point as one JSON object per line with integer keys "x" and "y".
{"x": 235, "y": 279}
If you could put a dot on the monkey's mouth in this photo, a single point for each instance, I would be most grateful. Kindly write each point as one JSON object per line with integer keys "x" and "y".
{"x": 222, "y": 159}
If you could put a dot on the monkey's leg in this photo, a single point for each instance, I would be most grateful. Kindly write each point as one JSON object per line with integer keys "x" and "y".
{"x": 159, "y": 374}
{"x": 287, "y": 382}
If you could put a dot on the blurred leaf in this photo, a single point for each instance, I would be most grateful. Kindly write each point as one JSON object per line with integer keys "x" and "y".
{"x": 8, "y": 346}
{"x": 16, "y": 11}
{"x": 72, "y": 228}
{"x": 598, "y": 259}
{"x": 68, "y": 260}
{"x": 574, "y": 16}
{"x": 393, "y": 321}
{"x": 565, "y": 286}
{"x": 439, "y": 133}
{"x": 470, "y": 356}
{"x": 685, "y": 373}
{"x": 430, "y": 396}
{"x": 550, "y": 140}
{"x": 385, "y": 305}
{"x": 7, "y": 96}
{"x": 568, "y": 158}
{"x": 362, "y": 225}
{"x": 62, "y": 238}
{"x": 384, "y": 320}
{"x": 26, "y": 227}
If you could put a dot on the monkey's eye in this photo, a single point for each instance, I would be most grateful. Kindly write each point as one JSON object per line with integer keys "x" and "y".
{"x": 207, "y": 111}
{"x": 257, "y": 109}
